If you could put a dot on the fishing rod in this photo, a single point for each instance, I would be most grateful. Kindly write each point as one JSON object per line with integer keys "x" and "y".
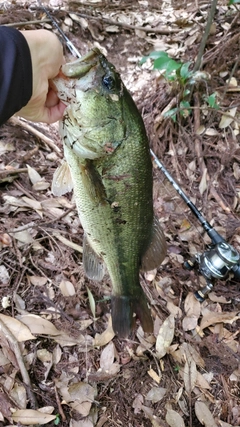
{"x": 220, "y": 260}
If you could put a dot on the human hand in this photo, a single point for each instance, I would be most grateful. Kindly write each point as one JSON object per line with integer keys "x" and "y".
{"x": 47, "y": 58}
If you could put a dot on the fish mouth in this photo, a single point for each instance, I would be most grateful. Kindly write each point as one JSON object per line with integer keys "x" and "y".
{"x": 83, "y": 65}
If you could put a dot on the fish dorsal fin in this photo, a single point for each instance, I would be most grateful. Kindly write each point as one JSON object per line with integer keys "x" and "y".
{"x": 157, "y": 248}
{"x": 62, "y": 180}
{"x": 93, "y": 265}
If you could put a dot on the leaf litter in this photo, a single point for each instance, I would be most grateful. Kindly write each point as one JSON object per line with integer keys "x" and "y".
{"x": 57, "y": 323}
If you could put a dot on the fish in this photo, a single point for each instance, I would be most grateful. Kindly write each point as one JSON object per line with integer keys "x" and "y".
{"x": 107, "y": 151}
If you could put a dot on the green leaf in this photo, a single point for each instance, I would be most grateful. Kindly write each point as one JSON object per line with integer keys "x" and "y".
{"x": 184, "y": 108}
{"x": 153, "y": 55}
{"x": 211, "y": 100}
{"x": 172, "y": 114}
{"x": 234, "y": 2}
{"x": 184, "y": 71}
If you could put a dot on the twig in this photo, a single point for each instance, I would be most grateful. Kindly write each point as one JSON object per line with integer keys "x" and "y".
{"x": 28, "y": 127}
{"x": 5, "y": 172}
{"x": 130, "y": 27}
{"x": 21, "y": 24}
{"x": 15, "y": 346}
{"x": 211, "y": 14}
{"x": 60, "y": 409}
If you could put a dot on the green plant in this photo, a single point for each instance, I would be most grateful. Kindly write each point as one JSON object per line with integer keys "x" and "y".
{"x": 57, "y": 420}
{"x": 173, "y": 70}
{"x": 179, "y": 73}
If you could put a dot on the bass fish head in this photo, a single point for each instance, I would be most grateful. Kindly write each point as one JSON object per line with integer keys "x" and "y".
{"x": 93, "y": 123}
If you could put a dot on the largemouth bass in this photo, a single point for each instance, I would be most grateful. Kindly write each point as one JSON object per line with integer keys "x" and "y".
{"x": 107, "y": 151}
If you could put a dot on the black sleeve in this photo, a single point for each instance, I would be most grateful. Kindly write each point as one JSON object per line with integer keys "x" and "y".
{"x": 15, "y": 72}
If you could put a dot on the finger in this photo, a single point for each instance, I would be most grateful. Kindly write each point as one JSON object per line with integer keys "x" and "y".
{"x": 54, "y": 113}
{"x": 52, "y": 99}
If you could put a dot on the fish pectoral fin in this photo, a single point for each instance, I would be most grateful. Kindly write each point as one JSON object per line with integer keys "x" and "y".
{"x": 94, "y": 266}
{"x": 92, "y": 183}
{"x": 123, "y": 309}
{"x": 156, "y": 250}
{"x": 62, "y": 180}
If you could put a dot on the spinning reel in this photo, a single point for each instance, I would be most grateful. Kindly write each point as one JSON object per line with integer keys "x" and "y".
{"x": 220, "y": 260}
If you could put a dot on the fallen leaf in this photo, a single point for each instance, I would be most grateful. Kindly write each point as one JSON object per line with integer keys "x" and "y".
{"x": 18, "y": 329}
{"x": 81, "y": 397}
{"x": 189, "y": 375}
{"x": 211, "y": 318}
{"x": 33, "y": 175}
{"x": 165, "y": 336}
{"x": 204, "y": 415}
{"x": 226, "y": 120}
{"x": 107, "y": 357}
{"x": 38, "y": 325}
{"x": 137, "y": 403}
{"x": 174, "y": 419}
{"x": 192, "y": 309}
{"x": 38, "y": 280}
{"x": 106, "y": 336}
{"x": 203, "y": 183}
{"x": 67, "y": 288}
{"x": 156, "y": 394}
{"x": 30, "y": 416}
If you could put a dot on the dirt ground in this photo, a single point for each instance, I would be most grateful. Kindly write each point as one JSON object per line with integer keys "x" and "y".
{"x": 58, "y": 354}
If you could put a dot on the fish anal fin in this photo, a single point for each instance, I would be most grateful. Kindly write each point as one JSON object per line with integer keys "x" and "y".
{"x": 94, "y": 266}
{"x": 156, "y": 250}
{"x": 62, "y": 180}
{"x": 123, "y": 309}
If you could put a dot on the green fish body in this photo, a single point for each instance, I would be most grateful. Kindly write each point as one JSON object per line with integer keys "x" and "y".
{"x": 107, "y": 151}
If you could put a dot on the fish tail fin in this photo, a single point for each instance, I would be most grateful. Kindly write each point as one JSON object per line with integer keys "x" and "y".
{"x": 123, "y": 309}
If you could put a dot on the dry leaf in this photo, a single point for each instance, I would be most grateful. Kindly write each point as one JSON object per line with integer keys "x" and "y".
{"x": 67, "y": 288}
{"x": 203, "y": 183}
{"x": 33, "y": 175}
{"x": 106, "y": 336}
{"x": 226, "y": 120}
{"x": 192, "y": 309}
{"x": 211, "y": 318}
{"x": 174, "y": 419}
{"x": 201, "y": 381}
{"x": 28, "y": 417}
{"x": 38, "y": 280}
{"x": 204, "y": 415}
{"x": 189, "y": 375}
{"x": 17, "y": 328}
{"x": 156, "y": 394}
{"x": 107, "y": 356}
{"x": 19, "y": 394}
{"x": 165, "y": 336}
{"x": 137, "y": 403}
{"x": 81, "y": 397}
{"x": 38, "y": 325}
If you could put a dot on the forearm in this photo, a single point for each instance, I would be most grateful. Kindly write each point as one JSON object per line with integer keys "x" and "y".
{"x": 15, "y": 60}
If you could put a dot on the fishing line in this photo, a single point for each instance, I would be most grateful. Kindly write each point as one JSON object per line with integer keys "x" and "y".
{"x": 220, "y": 260}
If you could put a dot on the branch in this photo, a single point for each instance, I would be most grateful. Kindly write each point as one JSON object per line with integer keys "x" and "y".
{"x": 211, "y": 14}
{"x": 29, "y": 128}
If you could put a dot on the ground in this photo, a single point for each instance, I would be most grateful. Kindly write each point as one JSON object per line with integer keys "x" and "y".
{"x": 58, "y": 353}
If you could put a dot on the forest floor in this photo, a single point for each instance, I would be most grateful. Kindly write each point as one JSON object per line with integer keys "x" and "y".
{"x": 60, "y": 362}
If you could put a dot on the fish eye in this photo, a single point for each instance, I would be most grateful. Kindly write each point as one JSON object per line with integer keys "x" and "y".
{"x": 109, "y": 82}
